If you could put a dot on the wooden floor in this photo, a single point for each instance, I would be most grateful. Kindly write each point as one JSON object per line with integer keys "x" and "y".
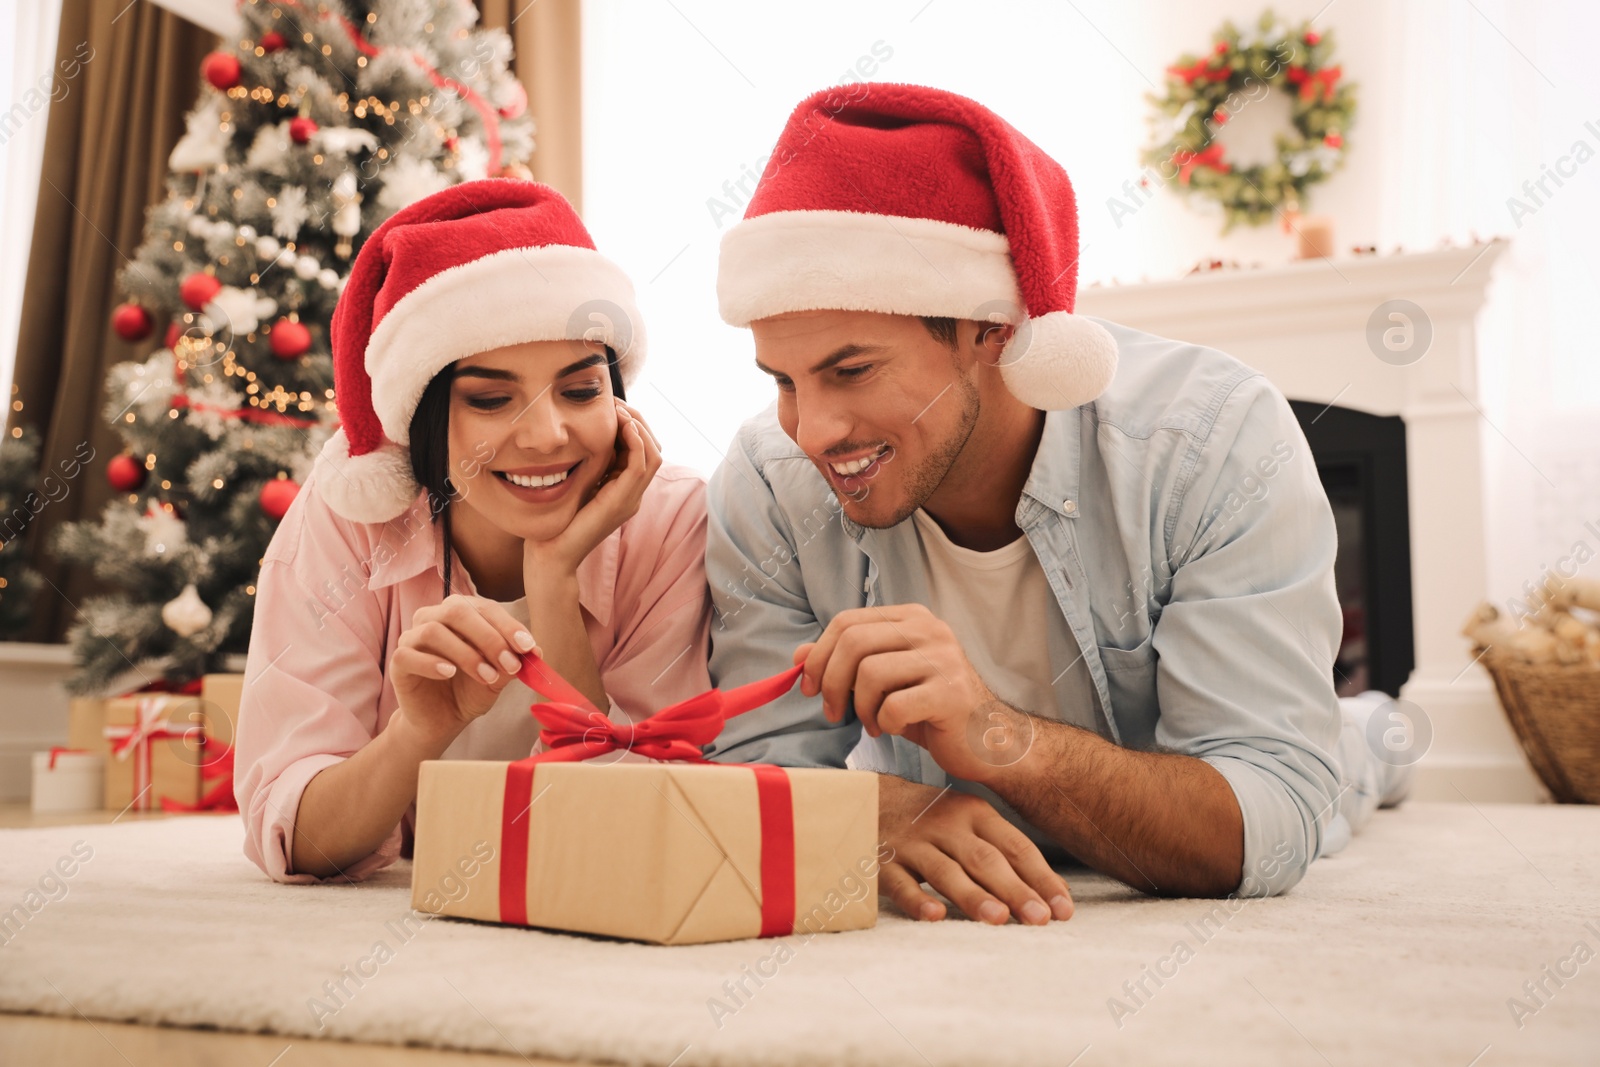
{"x": 63, "y": 1042}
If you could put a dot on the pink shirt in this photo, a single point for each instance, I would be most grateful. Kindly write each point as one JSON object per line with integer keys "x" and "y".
{"x": 334, "y": 597}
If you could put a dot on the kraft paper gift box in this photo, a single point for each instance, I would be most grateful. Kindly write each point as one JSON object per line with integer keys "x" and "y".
{"x": 674, "y": 852}
{"x": 220, "y": 694}
{"x": 155, "y": 753}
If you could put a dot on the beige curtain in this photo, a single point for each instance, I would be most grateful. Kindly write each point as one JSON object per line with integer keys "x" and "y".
{"x": 547, "y": 38}
{"x": 105, "y": 163}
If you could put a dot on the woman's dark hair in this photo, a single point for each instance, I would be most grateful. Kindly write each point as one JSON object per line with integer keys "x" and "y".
{"x": 430, "y": 446}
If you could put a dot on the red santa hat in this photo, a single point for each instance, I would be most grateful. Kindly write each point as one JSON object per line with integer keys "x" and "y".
{"x": 477, "y": 266}
{"x": 913, "y": 201}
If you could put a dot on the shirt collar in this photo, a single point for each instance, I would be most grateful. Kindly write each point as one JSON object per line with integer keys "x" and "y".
{"x": 410, "y": 544}
{"x": 1052, "y": 480}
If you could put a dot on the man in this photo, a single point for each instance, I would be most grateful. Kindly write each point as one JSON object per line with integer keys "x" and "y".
{"x": 1073, "y": 582}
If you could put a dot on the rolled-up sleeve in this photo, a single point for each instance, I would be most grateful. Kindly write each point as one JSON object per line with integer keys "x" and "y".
{"x": 313, "y": 679}
{"x": 1247, "y": 641}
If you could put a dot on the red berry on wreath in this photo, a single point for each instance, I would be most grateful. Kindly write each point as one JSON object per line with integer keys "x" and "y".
{"x": 277, "y": 495}
{"x": 221, "y": 69}
{"x": 125, "y": 473}
{"x": 1222, "y": 48}
{"x": 1220, "y": 116}
{"x": 1312, "y": 37}
{"x": 199, "y": 289}
{"x": 301, "y": 129}
{"x": 290, "y": 339}
{"x": 272, "y": 41}
{"x": 132, "y": 322}
{"x": 1333, "y": 140}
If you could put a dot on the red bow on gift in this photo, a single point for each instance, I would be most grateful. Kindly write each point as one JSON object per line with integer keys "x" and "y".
{"x": 574, "y": 729}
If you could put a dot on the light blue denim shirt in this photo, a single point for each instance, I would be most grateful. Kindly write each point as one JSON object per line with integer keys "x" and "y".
{"x": 1189, "y": 545}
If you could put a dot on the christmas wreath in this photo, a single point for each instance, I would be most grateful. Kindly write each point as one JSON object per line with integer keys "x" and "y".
{"x": 1242, "y": 67}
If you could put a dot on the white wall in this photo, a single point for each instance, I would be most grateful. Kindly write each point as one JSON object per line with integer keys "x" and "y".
{"x": 1459, "y": 104}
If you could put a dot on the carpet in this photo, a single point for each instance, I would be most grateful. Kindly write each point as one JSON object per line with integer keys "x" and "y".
{"x": 1412, "y": 946}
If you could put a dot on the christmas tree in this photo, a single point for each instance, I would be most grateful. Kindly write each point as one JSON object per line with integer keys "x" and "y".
{"x": 323, "y": 120}
{"x": 23, "y": 494}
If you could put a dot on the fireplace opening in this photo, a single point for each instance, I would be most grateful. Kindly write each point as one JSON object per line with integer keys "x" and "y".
{"x": 1361, "y": 459}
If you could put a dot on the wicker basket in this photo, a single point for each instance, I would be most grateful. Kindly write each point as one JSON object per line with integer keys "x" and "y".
{"x": 1555, "y": 710}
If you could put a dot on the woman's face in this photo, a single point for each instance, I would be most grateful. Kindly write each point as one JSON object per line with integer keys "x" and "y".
{"x": 533, "y": 430}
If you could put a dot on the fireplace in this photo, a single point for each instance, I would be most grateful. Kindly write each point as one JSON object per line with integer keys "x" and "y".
{"x": 1401, "y": 456}
{"x": 1361, "y": 459}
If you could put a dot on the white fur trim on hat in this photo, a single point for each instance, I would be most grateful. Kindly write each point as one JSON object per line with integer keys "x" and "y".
{"x": 851, "y": 261}
{"x": 510, "y": 297}
{"x": 1058, "y": 361}
{"x": 374, "y": 487}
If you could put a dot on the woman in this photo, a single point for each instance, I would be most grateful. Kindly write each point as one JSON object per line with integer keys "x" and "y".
{"x": 489, "y": 493}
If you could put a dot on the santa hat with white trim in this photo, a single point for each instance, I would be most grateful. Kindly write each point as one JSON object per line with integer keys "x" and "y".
{"x": 913, "y": 201}
{"x": 477, "y": 266}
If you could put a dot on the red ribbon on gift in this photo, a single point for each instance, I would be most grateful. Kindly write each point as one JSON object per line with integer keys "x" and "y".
{"x": 58, "y": 750}
{"x": 220, "y": 796}
{"x": 574, "y": 729}
{"x": 134, "y": 740}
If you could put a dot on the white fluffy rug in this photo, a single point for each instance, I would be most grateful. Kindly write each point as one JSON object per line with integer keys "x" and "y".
{"x": 1406, "y": 948}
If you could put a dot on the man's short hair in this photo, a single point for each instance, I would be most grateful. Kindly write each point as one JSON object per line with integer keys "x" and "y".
{"x": 943, "y": 329}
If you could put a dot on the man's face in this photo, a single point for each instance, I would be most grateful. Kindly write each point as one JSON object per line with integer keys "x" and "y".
{"x": 879, "y": 405}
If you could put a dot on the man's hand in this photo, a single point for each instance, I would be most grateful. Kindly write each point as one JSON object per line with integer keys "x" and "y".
{"x": 910, "y": 677}
{"x": 961, "y": 846}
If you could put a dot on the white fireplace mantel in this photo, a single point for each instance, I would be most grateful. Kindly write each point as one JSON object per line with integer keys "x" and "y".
{"x": 1305, "y": 326}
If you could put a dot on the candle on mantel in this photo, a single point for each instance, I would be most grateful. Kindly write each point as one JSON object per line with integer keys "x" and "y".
{"x": 1316, "y": 236}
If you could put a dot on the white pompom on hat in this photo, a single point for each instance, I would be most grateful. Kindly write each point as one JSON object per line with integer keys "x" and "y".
{"x": 913, "y": 201}
{"x": 478, "y": 266}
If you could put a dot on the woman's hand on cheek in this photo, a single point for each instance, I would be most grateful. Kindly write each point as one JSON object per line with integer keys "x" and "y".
{"x": 451, "y": 665}
{"x": 617, "y": 499}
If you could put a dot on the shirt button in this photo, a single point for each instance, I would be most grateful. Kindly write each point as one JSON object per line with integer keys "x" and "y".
{"x": 1069, "y": 506}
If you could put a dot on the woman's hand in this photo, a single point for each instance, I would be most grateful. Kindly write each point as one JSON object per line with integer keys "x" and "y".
{"x": 638, "y": 457}
{"x": 452, "y": 663}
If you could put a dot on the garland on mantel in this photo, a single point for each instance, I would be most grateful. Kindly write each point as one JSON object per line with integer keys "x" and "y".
{"x": 1212, "y": 266}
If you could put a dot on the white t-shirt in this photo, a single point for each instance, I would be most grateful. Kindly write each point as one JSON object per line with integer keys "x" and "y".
{"x": 997, "y": 604}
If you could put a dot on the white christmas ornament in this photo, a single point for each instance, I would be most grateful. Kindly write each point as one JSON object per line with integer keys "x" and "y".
{"x": 286, "y": 258}
{"x": 267, "y": 247}
{"x": 246, "y": 233}
{"x": 306, "y": 267}
{"x": 328, "y": 278}
{"x": 407, "y": 180}
{"x": 344, "y": 140}
{"x": 239, "y": 310}
{"x": 346, "y": 205}
{"x": 290, "y": 212}
{"x": 198, "y": 226}
{"x": 270, "y": 150}
{"x": 186, "y": 614}
{"x": 164, "y": 533}
{"x": 203, "y": 146}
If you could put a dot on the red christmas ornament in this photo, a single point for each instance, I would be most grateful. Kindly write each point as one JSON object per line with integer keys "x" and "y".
{"x": 1312, "y": 37}
{"x": 517, "y": 104}
{"x": 272, "y": 41}
{"x": 199, "y": 289}
{"x": 132, "y": 322}
{"x": 221, "y": 69}
{"x": 125, "y": 473}
{"x": 277, "y": 495}
{"x": 301, "y": 129}
{"x": 174, "y": 334}
{"x": 290, "y": 339}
